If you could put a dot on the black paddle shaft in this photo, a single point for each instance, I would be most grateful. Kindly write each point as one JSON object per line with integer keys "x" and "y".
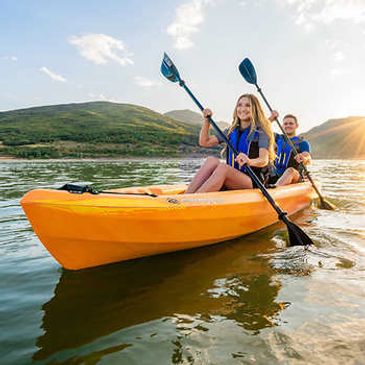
{"x": 296, "y": 235}
{"x": 281, "y": 213}
{"x": 248, "y": 72}
{"x": 288, "y": 140}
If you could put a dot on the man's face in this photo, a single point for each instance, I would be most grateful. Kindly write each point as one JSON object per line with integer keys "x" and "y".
{"x": 289, "y": 125}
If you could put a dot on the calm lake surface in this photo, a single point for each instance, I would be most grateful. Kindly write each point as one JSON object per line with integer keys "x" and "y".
{"x": 247, "y": 301}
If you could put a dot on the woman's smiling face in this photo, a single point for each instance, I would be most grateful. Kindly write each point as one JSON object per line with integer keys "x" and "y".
{"x": 244, "y": 109}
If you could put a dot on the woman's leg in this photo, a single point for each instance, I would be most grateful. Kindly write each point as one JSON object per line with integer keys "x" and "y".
{"x": 290, "y": 176}
{"x": 227, "y": 176}
{"x": 203, "y": 174}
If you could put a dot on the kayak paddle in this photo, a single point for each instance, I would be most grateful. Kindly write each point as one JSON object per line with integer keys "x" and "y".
{"x": 296, "y": 235}
{"x": 248, "y": 72}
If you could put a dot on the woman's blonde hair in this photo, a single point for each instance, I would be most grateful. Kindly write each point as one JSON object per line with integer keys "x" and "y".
{"x": 259, "y": 120}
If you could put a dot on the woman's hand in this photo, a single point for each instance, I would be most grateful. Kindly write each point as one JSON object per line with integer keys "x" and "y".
{"x": 242, "y": 159}
{"x": 205, "y": 140}
{"x": 207, "y": 113}
{"x": 274, "y": 115}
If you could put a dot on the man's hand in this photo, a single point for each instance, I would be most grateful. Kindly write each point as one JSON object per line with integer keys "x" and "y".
{"x": 302, "y": 158}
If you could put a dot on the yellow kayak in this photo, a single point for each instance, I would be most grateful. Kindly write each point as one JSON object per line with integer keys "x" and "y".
{"x": 86, "y": 230}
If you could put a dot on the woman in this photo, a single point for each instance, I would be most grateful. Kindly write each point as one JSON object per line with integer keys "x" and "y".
{"x": 251, "y": 134}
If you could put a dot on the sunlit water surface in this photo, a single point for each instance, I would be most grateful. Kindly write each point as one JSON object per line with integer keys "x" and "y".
{"x": 247, "y": 301}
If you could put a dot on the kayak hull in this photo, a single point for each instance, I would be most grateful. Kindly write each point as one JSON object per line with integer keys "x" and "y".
{"x": 86, "y": 230}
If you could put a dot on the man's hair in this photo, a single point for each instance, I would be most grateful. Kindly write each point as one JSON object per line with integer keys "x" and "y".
{"x": 291, "y": 116}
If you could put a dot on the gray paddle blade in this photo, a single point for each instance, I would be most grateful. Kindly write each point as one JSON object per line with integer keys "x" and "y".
{"x": 297, "y": 237}
{"x": 325, "y": 204}
{"x": 169, "y": 70}
{"x": 248, "y": 71}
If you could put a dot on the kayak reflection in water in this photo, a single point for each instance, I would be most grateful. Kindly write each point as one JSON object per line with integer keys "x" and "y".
{"x": 92, "y": 314}
{"x": 251, "y": 133}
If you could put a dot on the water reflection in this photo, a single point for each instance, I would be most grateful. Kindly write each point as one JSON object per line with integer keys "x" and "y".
{"x": 19, "y": 177}
{"x": 222, "y": 304}
{"x": 192, "y": 288}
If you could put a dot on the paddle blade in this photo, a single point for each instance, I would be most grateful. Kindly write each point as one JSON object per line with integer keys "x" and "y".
{"x": 169, "y": 70}
{"x": 324, "y": 204}
{"x": 297, "y": 237}
{"x": 248, "y": 71}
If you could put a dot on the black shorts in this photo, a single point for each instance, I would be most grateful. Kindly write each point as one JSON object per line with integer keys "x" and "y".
{"x": 260, "y": 177}
{"x": 272, "y": 180}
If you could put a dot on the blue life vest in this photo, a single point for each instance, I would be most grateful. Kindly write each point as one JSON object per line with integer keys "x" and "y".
{"x": 245, "y": 143}
{"x": 285, "y": 155}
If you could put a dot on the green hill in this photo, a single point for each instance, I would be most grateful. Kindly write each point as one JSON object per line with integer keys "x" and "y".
{"x": 338, "y": 138}
{"x": 102, "y": 129}
{"x": 95, "y": 129}
{"x": 188, "y": 116}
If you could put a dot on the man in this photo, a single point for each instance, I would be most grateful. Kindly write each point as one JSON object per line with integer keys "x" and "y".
{"x": 287, "y": 164}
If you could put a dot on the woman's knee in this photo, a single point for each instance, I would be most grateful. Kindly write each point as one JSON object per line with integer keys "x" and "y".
{"x": 222, "y": 168}
{"x": 212, "y": 161}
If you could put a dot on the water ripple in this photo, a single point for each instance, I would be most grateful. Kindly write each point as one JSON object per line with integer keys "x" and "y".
{"x": 251, "y": 300}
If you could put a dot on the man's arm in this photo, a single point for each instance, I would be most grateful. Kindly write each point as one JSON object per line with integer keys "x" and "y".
{"x": 304, "y": 156}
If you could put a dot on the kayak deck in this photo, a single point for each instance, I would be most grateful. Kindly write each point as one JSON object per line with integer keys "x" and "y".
{"x": 86, "y": 230}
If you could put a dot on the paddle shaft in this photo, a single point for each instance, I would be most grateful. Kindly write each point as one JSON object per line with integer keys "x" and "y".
{"x": 281, "y": 214}
{"x": 288, "y": 140}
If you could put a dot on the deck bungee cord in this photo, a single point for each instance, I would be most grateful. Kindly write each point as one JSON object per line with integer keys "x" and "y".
{"x": 81, "y": 189}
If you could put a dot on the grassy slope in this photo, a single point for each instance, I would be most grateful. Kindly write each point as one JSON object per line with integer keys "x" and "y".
{"x": 102, "y": 129}
{"x": 185, "y": 115}
{"x": 94, "y": 129}
{"x": 338, "y": 138}
{"x": 191, "y": 117}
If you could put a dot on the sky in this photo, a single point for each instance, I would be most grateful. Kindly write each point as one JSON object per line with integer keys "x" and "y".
{"x": 309, "y": 55}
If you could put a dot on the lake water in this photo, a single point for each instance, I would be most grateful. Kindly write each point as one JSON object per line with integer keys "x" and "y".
{"x": 247, "y": 301}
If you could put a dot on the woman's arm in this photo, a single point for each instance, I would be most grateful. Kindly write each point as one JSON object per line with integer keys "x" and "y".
{"x": 304, "y": 155}
{"x": 205, "y": 140}
{"x": 260, "y": 161}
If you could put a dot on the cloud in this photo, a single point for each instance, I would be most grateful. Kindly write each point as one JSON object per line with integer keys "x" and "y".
{"x": 101, "y": 48}
{"x": 9, "y": 58}
{"x": 339, "y": 56}
{"x": 188, "y": 17}
{"x": 146, "y": 83}
{"x": 332, "y": 43}
{"x": 52, "y": 75}
{"x": 337, "y": 72}
{"x": 312, "y": 12}
{"x": 102, "y": 97}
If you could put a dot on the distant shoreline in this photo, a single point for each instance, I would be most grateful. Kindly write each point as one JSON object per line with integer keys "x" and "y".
{"x": 98, "y": 159}
{"x": 133, "y": 158}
